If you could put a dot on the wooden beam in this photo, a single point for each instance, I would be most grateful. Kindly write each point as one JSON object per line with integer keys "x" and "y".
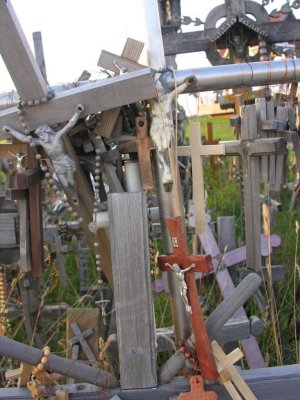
{"x": 97, "y": 96}
{"x": 132, "y": 289}
{"x": 18, "y": 56}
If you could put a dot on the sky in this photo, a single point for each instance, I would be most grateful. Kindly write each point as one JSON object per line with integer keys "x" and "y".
{"x": 74, "y": 33}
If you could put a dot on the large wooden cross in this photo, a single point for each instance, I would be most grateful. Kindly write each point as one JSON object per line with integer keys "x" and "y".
{"x": 197, "y": 151}
{"x": 250, "y": 148}
{"x": 185, "y": 266}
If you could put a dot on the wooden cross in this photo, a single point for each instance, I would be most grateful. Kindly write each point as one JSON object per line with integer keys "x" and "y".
{"x": 211, "y": 141}
{"x": 143, "y": 145}
{"x": 229, "y": 375}
{"x": 197, "y": 391}
{"x": 250, "y": 149}
{"x": 196, "y": 150}
{"x": 80, "y": 337}
{"x": 128, "y": 61}
{"x": 182, "y": 259}
{"x": 98, "y": 96}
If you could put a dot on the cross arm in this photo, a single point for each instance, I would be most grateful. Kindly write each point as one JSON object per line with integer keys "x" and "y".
{"x": 205, "y": 150}
{"x": 97, "y": 96}
{"x": 256, "y": 147}
{"x": 203, "y": 263}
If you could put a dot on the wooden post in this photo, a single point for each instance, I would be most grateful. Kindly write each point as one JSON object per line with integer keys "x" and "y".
{"x": 132, "y": 289}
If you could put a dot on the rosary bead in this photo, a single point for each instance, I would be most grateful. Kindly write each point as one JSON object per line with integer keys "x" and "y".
{"x": 38, "y": 156}
{"x": 98, "y": 256}
{"x": 97, "y": 158}
{"x": 30, "y": 103}
{"x": 46, "y": 351}
{"x": 54, "y": 187}
{"x": 32, "y": 144}
{"x": 99, "y": 269}
{"x": 96, "y": 244}
{"x": 48, "y": 175}
{"x": 44, "y": 360}
{"x": 40, "y": 366}
{"x": 44, "y": 100}
{"x": 37, "y": 102}
{"x": 98, "y": 151}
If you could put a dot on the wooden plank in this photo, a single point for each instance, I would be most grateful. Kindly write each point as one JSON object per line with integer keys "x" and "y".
{"x": 109, "y": 60}
{"x": 39, "y": 53}
{"x": 132, "y": 289}
{"x": 276, "y": 383}
{"x": 281, "y": 116}
{"x": 28, "y": 78}
{"x": 261, "y": 112}
{"x": 25, "y": 253}
{"x": 251, "y": 191}
{"x": 272, "y": 158}
{"x": 97, "y": 96}
{"x": 131, "y": 53}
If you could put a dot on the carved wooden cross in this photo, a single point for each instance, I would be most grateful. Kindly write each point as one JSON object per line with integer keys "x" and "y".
{"x": 229, "y": 375}
{"x": 250, "y": 149}
{"x": 196, "y": 150}
{"x": 80, "y": 337}
{"x": 25, "y": 187}
{"x": 143, "y": 145}
{"x": 197, "y": 391}
{"x": 184, "y": 260}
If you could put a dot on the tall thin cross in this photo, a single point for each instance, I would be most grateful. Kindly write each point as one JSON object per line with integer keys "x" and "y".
{"x": 197, "y": 151}
{"x": 188, "y": 264}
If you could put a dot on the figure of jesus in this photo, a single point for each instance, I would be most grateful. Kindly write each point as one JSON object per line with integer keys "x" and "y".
{"x": 182, "y": 284}
{"x": 162, "y": 130}
{"x": 51, "y": 141}
{"x": 20, "y": 161}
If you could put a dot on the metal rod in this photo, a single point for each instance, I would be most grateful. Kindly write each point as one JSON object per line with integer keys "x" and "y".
{"x": 237, "y": 75}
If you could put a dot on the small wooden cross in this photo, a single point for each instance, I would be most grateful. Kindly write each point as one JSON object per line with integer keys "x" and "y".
{"x": 80, "y": 338}
{"x": 197, "y": 391}
{"x": 196, "y": 150}
{"x": 201, "y": 263}
{"x": 143, "y": 145}
{"x": 229, "y": 375}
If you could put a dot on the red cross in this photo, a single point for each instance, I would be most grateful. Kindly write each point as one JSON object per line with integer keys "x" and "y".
{"x": 203, "y": 263}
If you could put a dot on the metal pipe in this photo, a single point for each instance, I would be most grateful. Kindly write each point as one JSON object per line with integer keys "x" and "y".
{"x": 236, "y": 75}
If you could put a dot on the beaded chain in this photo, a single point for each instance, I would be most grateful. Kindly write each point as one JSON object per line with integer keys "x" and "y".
{"x": 5, "y": 325}
{"x": 41, "y": 365}
{"x": 102, "y": 302}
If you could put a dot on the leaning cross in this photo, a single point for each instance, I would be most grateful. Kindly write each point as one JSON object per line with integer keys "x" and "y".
{"x": 143, "y": 145}
{"x": 196, "y": 150}
{"x": 191, "y": 263}
{"x": 80, "y": 338}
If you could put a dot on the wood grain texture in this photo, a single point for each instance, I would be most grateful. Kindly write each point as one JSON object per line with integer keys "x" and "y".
{"x": 20, "y": 62}
{"x": 130, "y": 55}
{"x": 97, "y": 96}
{"x": 251, "y": 191}
{"x": 132, "y": 289}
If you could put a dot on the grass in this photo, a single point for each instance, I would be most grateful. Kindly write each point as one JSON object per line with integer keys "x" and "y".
{"x": 221, "y": 127}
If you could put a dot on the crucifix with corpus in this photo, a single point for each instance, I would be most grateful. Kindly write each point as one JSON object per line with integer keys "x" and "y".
{"x": 184, "y": 265}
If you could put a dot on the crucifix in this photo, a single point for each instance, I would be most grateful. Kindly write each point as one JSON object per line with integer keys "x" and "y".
{"x": 39, "y": 107}
{"x": 184, "y": 265}
{"x": 197, "y": 391}
{"x": 197, "y": 151}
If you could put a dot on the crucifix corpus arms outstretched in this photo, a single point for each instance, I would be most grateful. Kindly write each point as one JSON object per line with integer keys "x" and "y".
{"x": 51, "y": 141}
{"x": 162, "y": 130}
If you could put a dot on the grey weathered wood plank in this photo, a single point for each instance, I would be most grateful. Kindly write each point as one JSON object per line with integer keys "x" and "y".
{"x": 251, "y": 191}
{"x": 261, "y": 112}
{"x": 39, "y": 53}
{"x": 97, "y": 96}
{"x": 130, "y": 55}
{"x": 276, "y": 383}
{"x": 282, "y": 117}
{"x": 20, "y": 62}
{"x": 132, "y": 289}
{"x": 272, "y": 158}
{"x": 109, "y": 60}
